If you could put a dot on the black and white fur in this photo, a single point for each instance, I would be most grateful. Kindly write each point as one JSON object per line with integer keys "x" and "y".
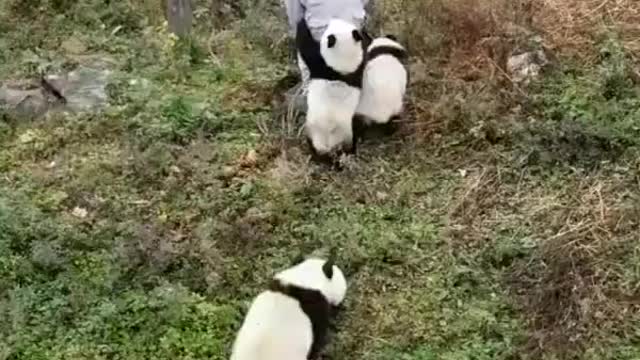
{"x": 384, "y": 82}
{"x": 291, "y": 319}
{"x": 336, "y": 65}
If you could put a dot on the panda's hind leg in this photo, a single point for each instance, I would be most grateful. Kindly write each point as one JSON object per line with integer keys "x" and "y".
{"x": 327, "y": 159}
{"x": 358, "y": 128}
{"x": 391, "y": 126}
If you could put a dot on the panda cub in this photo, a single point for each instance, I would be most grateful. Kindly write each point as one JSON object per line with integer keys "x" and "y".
{"x": 384, "y": 82}
{"x": 291, "y": 319}
{"x": 335, "y": 64}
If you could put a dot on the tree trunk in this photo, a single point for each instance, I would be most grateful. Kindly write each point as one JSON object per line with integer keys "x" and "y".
{"x": 179, "y": 16}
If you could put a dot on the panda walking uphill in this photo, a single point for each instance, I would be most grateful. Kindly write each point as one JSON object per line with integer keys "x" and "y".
{"x": 384, "y": 82}
{"x": 290, "y": 320}
{"x": 336, "y": 65}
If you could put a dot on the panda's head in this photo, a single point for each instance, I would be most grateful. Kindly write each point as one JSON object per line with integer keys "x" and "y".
{"x": 317, "y": 274}
{"x": 341, "y": 46}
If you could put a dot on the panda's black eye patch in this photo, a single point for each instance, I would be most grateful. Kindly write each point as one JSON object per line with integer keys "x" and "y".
{"x": 331, "y": 41}
{"x": 356, "y": 35}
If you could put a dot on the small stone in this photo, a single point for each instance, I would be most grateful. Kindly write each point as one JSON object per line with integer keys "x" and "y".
{"x": 79, "y": 212}
{"x": 526, "y": 66}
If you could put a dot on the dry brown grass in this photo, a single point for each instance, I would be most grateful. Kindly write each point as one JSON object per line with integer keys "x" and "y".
{"x": 474, "y": 34}
{"x": 573, "y": 289}
{"x": 456, "y": 43}
{"x": 573, "y": 26}
{"x": 465, "y": 37}
{"x": 460, "y": 50}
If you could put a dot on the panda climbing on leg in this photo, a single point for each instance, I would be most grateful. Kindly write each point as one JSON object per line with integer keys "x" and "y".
{"x": 384, "y": 84}
{"x": 291, "y": 320}
{"x": 335, "y": 64}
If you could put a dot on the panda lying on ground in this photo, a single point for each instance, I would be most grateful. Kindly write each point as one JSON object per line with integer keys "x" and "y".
{"x": 290, "y": 320}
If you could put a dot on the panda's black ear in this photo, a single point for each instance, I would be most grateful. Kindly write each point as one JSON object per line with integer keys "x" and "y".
{"x": 356, "y": 35}
{"x": 331, "y": 41}
{"x": 366, "y": 37}
{"x": 391, "y": 37}
{"x": 327, "y": 269}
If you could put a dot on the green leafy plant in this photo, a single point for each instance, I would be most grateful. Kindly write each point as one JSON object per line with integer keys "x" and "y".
{"x": 605, "y": 101}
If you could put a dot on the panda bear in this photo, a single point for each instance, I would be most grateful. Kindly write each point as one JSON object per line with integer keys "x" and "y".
{"x": 336, "y": 65}
{"x": 384, "y": 83}
{"x": 291, "y": 319}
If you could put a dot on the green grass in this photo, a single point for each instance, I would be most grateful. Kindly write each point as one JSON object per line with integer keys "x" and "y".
{"x": 144, "y": 231}
{"x": 604, "y": 99}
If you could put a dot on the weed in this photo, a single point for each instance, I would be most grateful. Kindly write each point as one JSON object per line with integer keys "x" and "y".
{"x": 605, "y": 102}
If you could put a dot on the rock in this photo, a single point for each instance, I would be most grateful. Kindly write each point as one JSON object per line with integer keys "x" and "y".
{"x": 526, "y": 66}
{"x": 23, "y": 100}
{"x": 79, "y": 212}
{"x": 84, "y": 88}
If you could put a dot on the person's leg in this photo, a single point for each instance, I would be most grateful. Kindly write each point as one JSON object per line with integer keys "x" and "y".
{"x": 371, "y": 21}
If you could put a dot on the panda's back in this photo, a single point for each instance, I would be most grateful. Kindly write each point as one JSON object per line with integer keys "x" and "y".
{"x": 274, "y": 328}
{"x": 383, "y": 88}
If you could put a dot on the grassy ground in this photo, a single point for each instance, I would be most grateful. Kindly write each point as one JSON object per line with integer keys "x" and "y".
{"x": 501, "y": 223}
